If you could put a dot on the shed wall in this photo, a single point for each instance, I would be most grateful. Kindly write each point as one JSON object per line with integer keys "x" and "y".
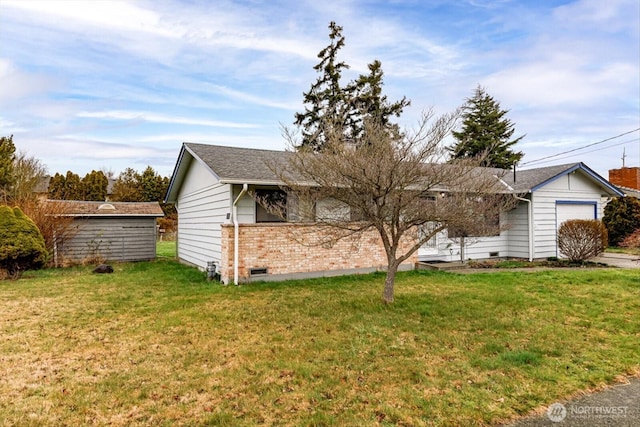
{"x": 112, "y": 239}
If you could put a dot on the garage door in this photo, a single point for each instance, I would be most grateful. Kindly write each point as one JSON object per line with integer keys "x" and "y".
{"x": 566, "y": 211}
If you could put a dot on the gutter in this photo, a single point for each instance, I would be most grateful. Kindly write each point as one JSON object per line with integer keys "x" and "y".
{"x": 236, "y": 233}
{"x": 529, "y": 216}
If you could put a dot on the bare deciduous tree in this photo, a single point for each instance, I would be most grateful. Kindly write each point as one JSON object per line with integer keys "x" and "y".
{"x": 393, "y": 183}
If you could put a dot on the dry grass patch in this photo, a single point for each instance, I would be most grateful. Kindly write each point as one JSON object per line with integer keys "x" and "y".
{"x": 155, "y": 344}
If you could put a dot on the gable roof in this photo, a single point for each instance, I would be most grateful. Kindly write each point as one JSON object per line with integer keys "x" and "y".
{"x": 234, "y": 165}
{"x": 107, "y": 209}
{"x": 530, "y": 180}
{"x": 230, "y": 165}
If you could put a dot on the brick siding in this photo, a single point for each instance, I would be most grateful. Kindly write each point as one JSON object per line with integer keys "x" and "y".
{"x": 291, "y": 248}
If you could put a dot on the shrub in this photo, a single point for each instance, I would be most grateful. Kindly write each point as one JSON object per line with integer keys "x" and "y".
{"x": 621, "y": 217}
{"x": 21, "y": 243}
{"x": 632, "y": 241}
{"x": 53, "y": 222}
{"x": 581, "y": 239}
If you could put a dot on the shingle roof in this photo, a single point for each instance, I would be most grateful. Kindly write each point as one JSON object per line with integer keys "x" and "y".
{"x": 253, "y": 166}
{"x": 529, "y": 180}
{"x": 81, "y": 208}
{"x": 239, "y": 165}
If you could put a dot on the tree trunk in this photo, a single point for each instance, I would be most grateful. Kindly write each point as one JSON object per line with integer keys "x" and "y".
{"x": 389, "y": 282}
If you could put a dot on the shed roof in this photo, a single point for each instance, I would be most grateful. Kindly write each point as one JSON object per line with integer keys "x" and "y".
{"x": 107, "y": 209}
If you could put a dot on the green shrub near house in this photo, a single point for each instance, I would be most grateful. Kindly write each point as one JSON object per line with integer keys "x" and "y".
{"x": 22, "y": 246}
{"x": 622, "y": 218}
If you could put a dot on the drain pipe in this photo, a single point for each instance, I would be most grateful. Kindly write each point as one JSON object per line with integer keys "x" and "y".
{"x": 236, "y": 233}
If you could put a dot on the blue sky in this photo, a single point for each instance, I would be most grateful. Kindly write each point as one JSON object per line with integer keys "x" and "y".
{"x": 109, "y": 85}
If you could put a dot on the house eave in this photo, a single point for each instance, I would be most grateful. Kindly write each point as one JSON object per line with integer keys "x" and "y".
{"x": 610, "y": 188}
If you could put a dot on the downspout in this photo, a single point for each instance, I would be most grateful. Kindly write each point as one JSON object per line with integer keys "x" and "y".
{"x": 236, "y": 233}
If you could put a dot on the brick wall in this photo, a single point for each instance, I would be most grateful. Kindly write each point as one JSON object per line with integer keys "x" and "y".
{"x": 625, "y": 177}
{"x": 287, "y": 248}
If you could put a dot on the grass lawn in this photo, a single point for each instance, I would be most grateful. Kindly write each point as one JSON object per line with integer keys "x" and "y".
{"x": 166, "y": 249}
{"x": 155, "y": 344}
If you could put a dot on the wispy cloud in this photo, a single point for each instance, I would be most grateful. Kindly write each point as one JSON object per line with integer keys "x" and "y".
{"x": 112, "y": 82}
{"x": 159, "y": 118}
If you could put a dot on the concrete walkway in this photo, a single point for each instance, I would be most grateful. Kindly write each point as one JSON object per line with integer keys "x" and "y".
{"x": 618, "y": 405}
{"x": 618, "y": 260}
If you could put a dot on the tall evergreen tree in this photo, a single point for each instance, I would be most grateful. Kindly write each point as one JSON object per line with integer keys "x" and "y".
{"x": 486, "y": 133}
{"x": 368, "y": 101}
{"x": 95, "y": 186}
{"x": 326, "y": 100}
{"x": 7, "y": 159}
{"x": 343, "y": 108}
{"x": 127, "y": 187}
{"x": 56, "y": 187}
{"x": 152, "y": 186}
{"x": 73, "y": 189}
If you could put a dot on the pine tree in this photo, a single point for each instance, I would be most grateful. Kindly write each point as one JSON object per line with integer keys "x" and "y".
{"x": 486, "y": 132}
{"x": 56, "y": 187}
{"x": 369, "y": 101}
{"x": 327, "y": 101}
{"x": 7, "y": 159}
{"x": 73, "y": 189}
{"x": 332, "y": 107}
{"x": 152, "y": 186}
{"x": 94, "y": 186}
{"x": 127, "y": 187}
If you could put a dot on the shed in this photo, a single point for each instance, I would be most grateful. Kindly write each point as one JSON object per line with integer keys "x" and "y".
{"x": 113, "y": 231}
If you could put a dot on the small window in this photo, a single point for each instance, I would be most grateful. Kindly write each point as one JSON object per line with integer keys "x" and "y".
{"x": 271, "y": 206}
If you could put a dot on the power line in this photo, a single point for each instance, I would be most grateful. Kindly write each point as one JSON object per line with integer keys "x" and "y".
{"x": 579, "y": 148}
{"x": 590, "y": 151}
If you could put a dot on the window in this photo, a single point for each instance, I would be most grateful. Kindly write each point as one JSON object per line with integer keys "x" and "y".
{"x": 485, "y": 225}
{"x": 271, "y": 206}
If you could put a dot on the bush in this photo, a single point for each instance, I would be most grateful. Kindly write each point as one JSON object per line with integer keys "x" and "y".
{"x": 21, "y": 243}
{"x": 621, "y": 217}
{"x": 52, "y": 219}
{"x": 581, "y": 239}
{"x": 632, "y": 241}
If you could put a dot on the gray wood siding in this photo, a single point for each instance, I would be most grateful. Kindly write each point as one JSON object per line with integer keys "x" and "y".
{"x": 203, "y": 205}
{"x": 112, "y": 239}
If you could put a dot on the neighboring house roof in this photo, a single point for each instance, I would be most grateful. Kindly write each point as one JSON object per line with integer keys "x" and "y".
{"x": 107, "y": 209}
{"x": 632, "y": 192}
{"x": 234, "y": 165}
